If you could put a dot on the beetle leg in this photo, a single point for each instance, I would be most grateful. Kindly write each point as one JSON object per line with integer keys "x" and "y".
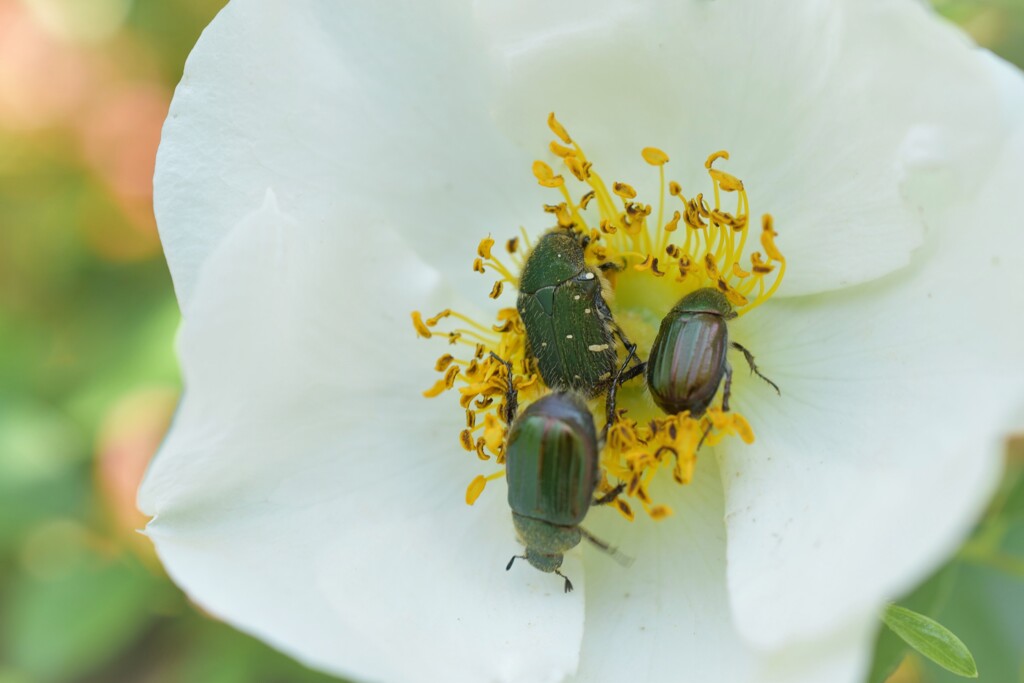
{"x": 568, "y": 583}
{"x": 634, "y": 371}
{"x": 702, "y": 438}
{"x": 622, "y": 558}
{"x": 610, "y": 496}
{"x": 511, "y": 393}
{"x": 613, "y": 391}
{"x": 753, "y": 366}
{"x": 610, "y": 265}
{"x": 727, "y": 391}
{"x": 631, "y": 349}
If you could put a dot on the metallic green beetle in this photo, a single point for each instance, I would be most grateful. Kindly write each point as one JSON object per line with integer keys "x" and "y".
{"x": 569, "y": 327}
{"x": 552, "y": 468}
{"x": 688, "y": 359}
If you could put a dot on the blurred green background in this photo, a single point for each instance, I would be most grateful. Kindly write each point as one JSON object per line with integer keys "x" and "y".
{"x": 88, "y": 378}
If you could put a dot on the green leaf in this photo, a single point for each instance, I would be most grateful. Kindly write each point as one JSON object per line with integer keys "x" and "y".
{"x": 931, "y": 639}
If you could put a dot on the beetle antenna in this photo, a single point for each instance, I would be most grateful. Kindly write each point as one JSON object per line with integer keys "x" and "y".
{"x": 514, "y": 558}
{"x": 568, "y": 583}
{"x": 621, "y": 558}
{"x": 511, "y": 393}
{"x": 609, "y": 265}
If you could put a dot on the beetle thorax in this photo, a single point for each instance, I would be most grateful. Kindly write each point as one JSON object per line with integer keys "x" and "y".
{"x": 545, "y": 542}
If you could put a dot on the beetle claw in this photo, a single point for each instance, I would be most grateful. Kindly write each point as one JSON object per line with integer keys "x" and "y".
{"x": 568, "y": 583}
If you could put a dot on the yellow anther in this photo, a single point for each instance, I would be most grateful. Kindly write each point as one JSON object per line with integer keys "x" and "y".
{"x": 431, "y": 322}
{"x": 545, "y": 176}
{"x": 578, "y": 168}
{"x": 478, "y": 265}
{"x": 721, "y": 217}
{"x": 443, "y": 362}
{"x": 496, "y": 291}
{"x": 720, "y": 154}
{"x": 673, "y": 224}
{"x": 759, "y": 264}
{"x": 624, "y": 509}
{"x": 739, "y": 272}
{"x": 475, "y": 488}
{"x": 542, "y": 172}
{"x": 654, "y": 156}
{"x": 768, "y": 235}
{"x": 660, "y": 512}
{"x": 481, "y": 451}
{"x": 674, "y": 188}
{"x": 421, "y": 329}
{"x": 484, "y": 248}
{"x": 558, "y": 129}
{"x": 728, "y": 183}
{"x": 585, "y": 199}
{"x": 512, "y": 246}
{"x": 734, "y": 297}
{"x": 742, "y": 427}
{"x": 711, "y": 268}
{"x": 559, "y": 150}
{"x": 466, "y": 439}
{"x": 624, "y": 190}
{"x": 436, "y": 390}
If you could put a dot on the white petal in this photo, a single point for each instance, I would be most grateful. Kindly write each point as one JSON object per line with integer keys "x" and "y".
{"x": 886, "y": 441}
{"x": 827, "y": 108}
{"x": 667, "y": 617}
{"x": 376, "y": 104}
{"x": 309, "y": 495}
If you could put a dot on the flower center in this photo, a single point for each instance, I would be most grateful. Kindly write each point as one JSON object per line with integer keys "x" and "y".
{"x": 649, "y": 261}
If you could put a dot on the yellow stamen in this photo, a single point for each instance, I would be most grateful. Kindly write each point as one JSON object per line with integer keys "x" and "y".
{"x": 558, "y": 130}
{"x": 654, "y": 156}
{"x": 476, "y": 487}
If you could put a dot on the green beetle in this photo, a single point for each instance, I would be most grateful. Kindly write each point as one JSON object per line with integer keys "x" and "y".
{"x": 569, "y": 327}
{"x": 552, "y": 468}
{"x": 688, "y": 359}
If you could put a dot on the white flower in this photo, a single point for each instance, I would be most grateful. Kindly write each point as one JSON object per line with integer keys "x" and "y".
{"x": 328, "y": 167}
